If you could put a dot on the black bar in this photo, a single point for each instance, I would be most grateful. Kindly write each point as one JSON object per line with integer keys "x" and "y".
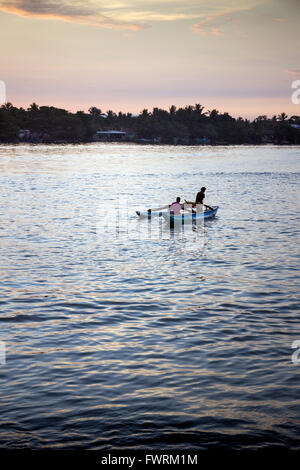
{"x": 194, "y": 220}
{"x": 171, "y": 219}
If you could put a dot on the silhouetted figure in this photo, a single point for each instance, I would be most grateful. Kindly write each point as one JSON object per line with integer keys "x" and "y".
{"x": 199, "y": 200}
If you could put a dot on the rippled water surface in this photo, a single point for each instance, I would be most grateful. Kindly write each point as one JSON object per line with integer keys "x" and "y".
{"x": 121, "y": 334}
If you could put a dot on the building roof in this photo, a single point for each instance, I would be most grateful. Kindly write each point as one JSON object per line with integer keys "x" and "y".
{"x": 111, "y": 132}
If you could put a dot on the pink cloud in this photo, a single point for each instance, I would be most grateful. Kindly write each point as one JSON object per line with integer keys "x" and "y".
{"x": 81, "y": 12}
{"x": 211, "y": 25}
{"x": 294, "y": 72}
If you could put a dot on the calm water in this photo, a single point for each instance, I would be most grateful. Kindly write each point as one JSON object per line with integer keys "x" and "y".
{"x": 119, "y": 334}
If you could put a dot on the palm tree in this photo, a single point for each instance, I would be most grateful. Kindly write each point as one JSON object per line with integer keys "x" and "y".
{"x": 213, "y": 114}
{"x": 95, "y": 112}
{"x": 199, "y": 108}
{"x": 282, "y": 117}
{"x": 33, "y": 107}
{"x": 7, "y": 106}
{"x": 145, "y": 113}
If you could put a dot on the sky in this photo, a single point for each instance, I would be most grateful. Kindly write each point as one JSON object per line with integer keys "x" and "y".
{"x": 239, "y": 56}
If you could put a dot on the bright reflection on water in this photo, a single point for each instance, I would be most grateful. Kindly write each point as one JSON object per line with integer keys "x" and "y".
{"x": 147, "y": 338}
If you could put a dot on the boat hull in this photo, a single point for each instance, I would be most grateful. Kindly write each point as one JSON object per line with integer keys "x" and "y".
{"x": 185, "y": 217}
{"x": 148, "y": 214}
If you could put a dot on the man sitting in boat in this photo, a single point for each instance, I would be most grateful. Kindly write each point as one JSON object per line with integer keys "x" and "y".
{"x": 176, "y": 206}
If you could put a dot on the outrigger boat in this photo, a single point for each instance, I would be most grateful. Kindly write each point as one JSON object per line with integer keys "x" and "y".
{"x": 184, "y": 217}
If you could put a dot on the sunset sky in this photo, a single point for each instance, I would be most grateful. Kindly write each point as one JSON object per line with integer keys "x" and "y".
{"x": 236, "y": 56}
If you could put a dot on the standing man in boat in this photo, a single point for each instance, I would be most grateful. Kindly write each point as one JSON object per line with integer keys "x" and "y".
{"x": 198, "y": 204}
{"x": 199, "y": 200}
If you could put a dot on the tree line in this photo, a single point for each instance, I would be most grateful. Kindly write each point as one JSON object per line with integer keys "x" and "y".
{"x": 184, "y": 125}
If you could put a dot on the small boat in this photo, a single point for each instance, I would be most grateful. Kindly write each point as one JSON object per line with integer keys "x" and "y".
{"x": 188, "y": 217}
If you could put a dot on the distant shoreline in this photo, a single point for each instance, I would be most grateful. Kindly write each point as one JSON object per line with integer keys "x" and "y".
{"x": 191, "y": 125}
{"x": 143, "y": 144}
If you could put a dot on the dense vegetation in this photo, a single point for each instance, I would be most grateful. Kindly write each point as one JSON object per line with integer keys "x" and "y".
{"x": 187, "y": 125}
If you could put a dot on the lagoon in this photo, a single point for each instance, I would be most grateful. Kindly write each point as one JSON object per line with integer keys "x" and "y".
{"x": 120, "y": 334}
